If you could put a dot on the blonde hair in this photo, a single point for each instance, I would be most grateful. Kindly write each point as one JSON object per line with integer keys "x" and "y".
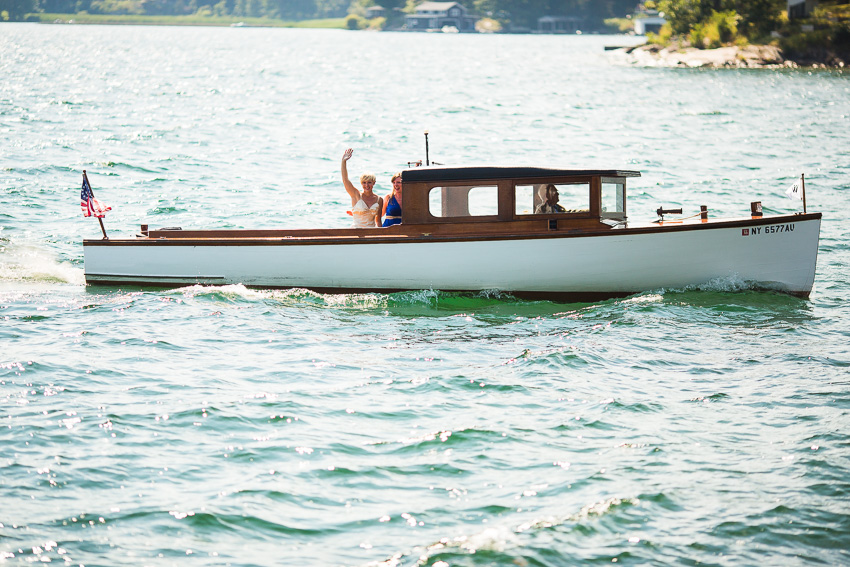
{"x": 394, "y": 177}
{"x": 368, "y": 177}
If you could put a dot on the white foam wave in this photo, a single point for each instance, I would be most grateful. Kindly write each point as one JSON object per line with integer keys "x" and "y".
{"x": 496, "y": 539}
{"x": 503, "y": 538}
{"x": 422, "y": 296}
{"x": 33, "y": 264}
{"x": 732, "y": 282}
{"x": 230, "y": 290}
{"x": 495, "y": 294}
{"x": 644, "y": 298}
{"x": 357, "y": 300}
{"x": 240, "y": 291}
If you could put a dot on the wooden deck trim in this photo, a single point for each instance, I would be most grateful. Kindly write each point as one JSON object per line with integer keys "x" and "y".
{"x": 424, "y": 234}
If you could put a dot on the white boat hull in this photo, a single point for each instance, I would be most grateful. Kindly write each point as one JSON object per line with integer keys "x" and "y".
{"x": 778, "y": 253}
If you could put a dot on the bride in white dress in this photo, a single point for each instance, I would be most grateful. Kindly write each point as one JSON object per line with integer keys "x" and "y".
{"x": 366, "y": 207}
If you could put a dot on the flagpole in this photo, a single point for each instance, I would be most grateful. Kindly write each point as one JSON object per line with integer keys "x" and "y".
{"x": 803, "y": 180}
{"x": 100, "y": 220}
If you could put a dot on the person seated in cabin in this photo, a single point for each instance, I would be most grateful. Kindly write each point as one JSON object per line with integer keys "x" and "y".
{"x": 366, "y": 207}
{"x": 550, "y": 205}
{"x": 392, "y": 203}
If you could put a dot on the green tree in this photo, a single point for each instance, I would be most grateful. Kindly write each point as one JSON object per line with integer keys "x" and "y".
{"x": 757, "y": 17}
{"x": 59, "y": 6}
{"x": 296, "y": 9}
{"x": 355, "y": 22}
{"x": 222, "y": 8}
{"x": 684, "y": 15}
{"x": 17, "y": 9}
{"x": 525, "y": 13}
{"x": 253, "y": 8}
{"x": 760, "y": 17}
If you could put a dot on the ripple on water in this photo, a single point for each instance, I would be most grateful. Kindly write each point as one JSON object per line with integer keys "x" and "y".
{"x": 554, "y": 539}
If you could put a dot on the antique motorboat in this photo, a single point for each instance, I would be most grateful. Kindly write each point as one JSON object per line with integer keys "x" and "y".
{"x": 531, "y": 232}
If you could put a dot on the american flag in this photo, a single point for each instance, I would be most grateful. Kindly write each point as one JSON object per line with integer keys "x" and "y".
{"x": 88, "y": 203}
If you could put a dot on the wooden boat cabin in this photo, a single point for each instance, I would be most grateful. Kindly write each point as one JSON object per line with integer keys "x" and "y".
{"x": 486, "y": 200}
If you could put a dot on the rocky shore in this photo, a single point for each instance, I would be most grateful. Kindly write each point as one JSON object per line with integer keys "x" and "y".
{"x": 677, "y": 55}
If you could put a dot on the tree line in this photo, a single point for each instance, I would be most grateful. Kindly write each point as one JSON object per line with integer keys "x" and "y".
{"x": 821, "y": 35}
{"x": 509, "y": 13}
{"x": 703, "y": 23}
{"x": 276, "y": 9}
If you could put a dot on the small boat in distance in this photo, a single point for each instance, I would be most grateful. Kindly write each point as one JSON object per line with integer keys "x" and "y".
{"x": 532, "y": 232}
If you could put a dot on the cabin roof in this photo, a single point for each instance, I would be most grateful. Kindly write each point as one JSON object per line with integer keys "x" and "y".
{"x": 437, "y": 6}
{"x": 426, "y": 174}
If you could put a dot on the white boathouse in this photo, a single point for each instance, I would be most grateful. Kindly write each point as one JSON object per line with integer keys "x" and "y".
{"x": 440, "y": 15}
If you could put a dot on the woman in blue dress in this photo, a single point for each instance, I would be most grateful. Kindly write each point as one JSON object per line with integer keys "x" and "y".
{"x": 392, "y": 203}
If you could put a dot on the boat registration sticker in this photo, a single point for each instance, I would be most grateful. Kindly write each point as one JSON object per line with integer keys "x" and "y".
{"x": 772, "y": 229}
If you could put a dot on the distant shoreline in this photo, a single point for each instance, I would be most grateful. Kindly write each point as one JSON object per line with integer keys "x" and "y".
{"x": 206, "y": 21}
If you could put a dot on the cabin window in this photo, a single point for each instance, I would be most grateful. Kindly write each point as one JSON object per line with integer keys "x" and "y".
{"x": 532, "y": 199}
{"x": 614, "y": 198}
{"x": 464, "y": 201}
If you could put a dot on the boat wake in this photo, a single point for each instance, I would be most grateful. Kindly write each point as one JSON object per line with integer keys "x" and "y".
{"x": 230, "y": 291}
{"x": 29, "y": 263}
{"x": 727, "y": 284}
{"x": 369, "y": 301}
{"x": 449, "y": 299}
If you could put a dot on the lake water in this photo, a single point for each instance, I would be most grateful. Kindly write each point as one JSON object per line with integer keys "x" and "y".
{"x": 227, "y": 426}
